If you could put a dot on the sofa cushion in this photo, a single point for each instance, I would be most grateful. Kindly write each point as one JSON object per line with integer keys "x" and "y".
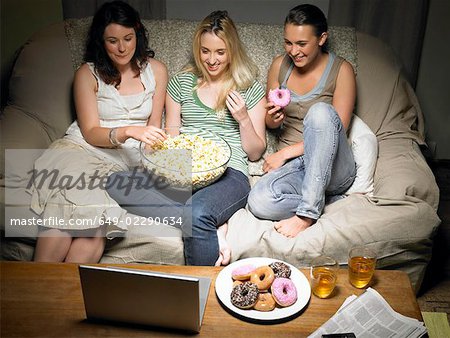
{"x": 155, "y": 244}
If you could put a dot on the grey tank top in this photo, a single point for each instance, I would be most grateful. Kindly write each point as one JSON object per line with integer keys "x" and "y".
{"x": 291, "y": 131}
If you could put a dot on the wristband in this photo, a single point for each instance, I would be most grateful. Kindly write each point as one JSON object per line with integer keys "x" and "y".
{"x": 113, "y": 137}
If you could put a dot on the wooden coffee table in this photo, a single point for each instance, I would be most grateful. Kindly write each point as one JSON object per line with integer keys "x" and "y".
{"x": 45, "y": 300}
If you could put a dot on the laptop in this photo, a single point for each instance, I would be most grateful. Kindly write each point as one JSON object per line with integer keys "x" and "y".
{"x": 144, "y": 297}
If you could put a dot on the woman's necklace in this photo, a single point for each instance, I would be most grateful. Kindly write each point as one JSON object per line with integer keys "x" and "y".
{"x": 220, "y": 114}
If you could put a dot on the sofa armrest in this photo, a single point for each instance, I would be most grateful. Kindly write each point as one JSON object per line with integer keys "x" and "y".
{"x": 403, "y": 174}
{"x": 40, "y": 85}
{"x": 20, "y": 131}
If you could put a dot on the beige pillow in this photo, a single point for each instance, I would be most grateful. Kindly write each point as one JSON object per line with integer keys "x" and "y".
{"x": 364, "y": 145}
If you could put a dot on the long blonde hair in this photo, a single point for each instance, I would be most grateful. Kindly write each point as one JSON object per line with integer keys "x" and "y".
{"x": 242, "y": 71}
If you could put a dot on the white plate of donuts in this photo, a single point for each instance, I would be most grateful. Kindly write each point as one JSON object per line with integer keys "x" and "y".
{"x": 263, "y": 288}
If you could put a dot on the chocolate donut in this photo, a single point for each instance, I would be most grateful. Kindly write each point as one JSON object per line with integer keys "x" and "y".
{"x": 245, "y": 295}
{"x": 280, "y": 269}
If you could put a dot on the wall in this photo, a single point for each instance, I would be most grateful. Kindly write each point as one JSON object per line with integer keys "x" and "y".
{"x": 256, "y": 11}
{"x": 19, "y": 19}
{"x": 433, "y": 86}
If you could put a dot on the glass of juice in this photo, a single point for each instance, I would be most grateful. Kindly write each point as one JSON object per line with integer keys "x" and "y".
{"x": 323, "y": 275}
{"x": 361, "y": 266}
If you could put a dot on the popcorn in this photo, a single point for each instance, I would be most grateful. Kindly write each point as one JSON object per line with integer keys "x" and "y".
{"x": 188, "y": 160}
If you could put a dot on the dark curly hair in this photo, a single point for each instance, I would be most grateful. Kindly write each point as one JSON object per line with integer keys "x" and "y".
{"x": 123, "y": 14}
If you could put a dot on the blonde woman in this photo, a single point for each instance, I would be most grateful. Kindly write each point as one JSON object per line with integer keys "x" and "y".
{"x": 218, "y": 92}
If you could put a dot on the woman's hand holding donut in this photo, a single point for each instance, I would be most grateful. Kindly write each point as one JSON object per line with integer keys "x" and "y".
{"x": 274, "y": 115}
{"x": 236, "y": 105}
{"x": 274, "y": 112}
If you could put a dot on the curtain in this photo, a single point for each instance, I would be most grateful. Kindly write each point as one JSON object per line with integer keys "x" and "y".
{"x": 399, "y": 23}
{"x": 148, "y": 9}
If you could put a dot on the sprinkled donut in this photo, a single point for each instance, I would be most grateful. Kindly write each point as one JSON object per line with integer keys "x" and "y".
{"x": 244, "y": 296}
{"x": 284, "y": 291}
{"x": 265, "y": 302}
{"x": 281, "y": 269}
{"x": 262, "y": 277}
{"x": 243, "y": 272}
{"x": 280, "y": 97}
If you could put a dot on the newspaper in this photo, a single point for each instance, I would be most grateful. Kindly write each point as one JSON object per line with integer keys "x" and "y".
{"x": 370, "y": 316}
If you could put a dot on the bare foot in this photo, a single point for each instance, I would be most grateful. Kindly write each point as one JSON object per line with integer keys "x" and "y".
{"x": 291, "y": 227}
{"x": 224, "y": 249}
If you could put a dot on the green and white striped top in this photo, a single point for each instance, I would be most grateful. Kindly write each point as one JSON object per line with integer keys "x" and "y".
{"x": 195, "y": 113}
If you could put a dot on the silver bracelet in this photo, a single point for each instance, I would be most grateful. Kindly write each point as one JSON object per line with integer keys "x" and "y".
{"x": 113, "y": 137}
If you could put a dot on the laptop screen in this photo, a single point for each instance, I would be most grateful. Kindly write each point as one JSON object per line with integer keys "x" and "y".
{"x": 144, "y": 297}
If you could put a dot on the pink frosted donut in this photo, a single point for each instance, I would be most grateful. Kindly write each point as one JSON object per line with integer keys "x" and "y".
{"x": 284, "y": 291}
{"x": 242, "y": 272}
{"x": 280, "y": 97}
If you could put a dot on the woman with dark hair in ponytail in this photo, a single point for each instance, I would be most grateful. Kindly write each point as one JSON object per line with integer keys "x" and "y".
{"x": 314, "y": 162}
{"x": 119, "y": 98}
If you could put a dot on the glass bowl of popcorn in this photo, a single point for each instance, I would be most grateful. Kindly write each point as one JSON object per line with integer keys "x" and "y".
{"x": 190, "y": 159}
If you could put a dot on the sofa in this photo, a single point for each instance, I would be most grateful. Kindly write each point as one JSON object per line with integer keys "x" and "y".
{"x": 397, "y": 217}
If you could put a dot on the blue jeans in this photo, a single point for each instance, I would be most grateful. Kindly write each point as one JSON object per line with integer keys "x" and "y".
{"x": 202, "y": 212}
{"x": 300, "y": 186}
